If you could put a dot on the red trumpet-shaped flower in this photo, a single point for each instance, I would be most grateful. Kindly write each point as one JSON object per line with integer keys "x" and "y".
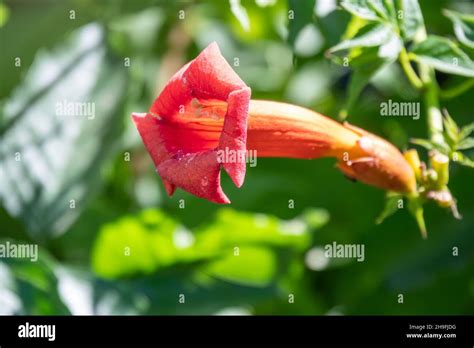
{"x": 205, "y": 110}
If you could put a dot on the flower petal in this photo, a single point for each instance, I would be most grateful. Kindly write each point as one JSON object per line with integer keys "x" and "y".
{"x": 234, "y": 133}
{"x": 183, "y": 142}
{"x": 197, "y": 173}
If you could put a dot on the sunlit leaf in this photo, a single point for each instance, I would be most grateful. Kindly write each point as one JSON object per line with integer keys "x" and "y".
{"x": 411, "y": 21}
{"x": 429, "y": 145}
{"x": 451, "y": 130}
{"x": 466, "y": 131}
{"x": 466, "y": 143}
{"x": 240, "y": 13}
{"x": 30, "y": 287}
{"x": 463, "y": 160}
{"x": 151, "y": 241}
{"x": 57, "y": 130}
{"x": 4, "y": 14}
{"x": 372, "y": 10}
{"x": 463, "y": 26}
{"x": 443, "y": 55}
{"x": 369, "y": 36}
{"x": 241, "y": 267}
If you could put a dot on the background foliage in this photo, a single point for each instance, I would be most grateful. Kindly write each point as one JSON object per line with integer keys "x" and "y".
{"x": 121, "y": 204}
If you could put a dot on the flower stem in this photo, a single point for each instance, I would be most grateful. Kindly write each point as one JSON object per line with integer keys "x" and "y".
{"x": 457, "y": 90}
{"x": 407, "y": 68}
{"x": 430, "y": 90}
{"x": 431, "y": 99}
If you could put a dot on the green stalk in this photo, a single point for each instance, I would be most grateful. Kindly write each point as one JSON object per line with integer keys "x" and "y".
{"x": 431, "y": 101}
{"x": 457, "y": 90}
{"x": 431, "y": 97}
{"x": 407, "y": 68}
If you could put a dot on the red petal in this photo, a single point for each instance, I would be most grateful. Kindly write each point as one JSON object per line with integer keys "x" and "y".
{"x": 185, "y": 156}
{"x": 149, "y": 129}
{"x": 175, "y": 94}
{"x": 197, "y": 173}
{"x": 210, "y": 76}
{"x": 234, "y": 133}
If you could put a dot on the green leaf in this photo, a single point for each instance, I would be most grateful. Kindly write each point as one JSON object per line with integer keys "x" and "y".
{"x": 373, "y": 47}
{"x": 240, "y": 13}
{"x": 315, "y": 218}
{"x": 48, "y": 288}
{"x": 451, "y": 130}
{"x": 415, "y": 207}
{"x": 466, "y": 131}
{"x": 372, "y": 10}
{"x": 391, "y": 207}
{"x": 360, "y": 77}
{"x": 240, "y": 267}
{"x": 411, "y": 22}
{"x": 4, "y": 14}
{"x": 150, "y": 241}
{"x": 140, "y": 245}
{"x": 303, "y": 14}
{"x": 466, "y": 143}
{"x": 59, "y": 128}
{"x": 443, "y": 55}
{"x": 429, "y": 145}
{"x": 370, "y": 35}
{"x": 458, "y": 157}
{"x": 29, "y": 288}
{"x": 423, "y": 143}
{"x": 463, "y": 26}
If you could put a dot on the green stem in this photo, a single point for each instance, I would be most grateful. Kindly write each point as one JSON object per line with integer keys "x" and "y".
{"x": 456, "y": 90}
{"x": 431, "y": 101}
{"x": 407, "y": 68}
{"x": 431, "y": 97}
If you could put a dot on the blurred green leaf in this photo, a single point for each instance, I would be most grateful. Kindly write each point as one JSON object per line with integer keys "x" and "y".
{"x": 466, "y": 143}
{"x": 249, "y": 266}
{"x": 30, "y": 288}
{"x": 451, "y": 130}
{"x": 466, "y": 130}
{"x": 140, "y": 244}
{"x": 240, "y": 13}
{"x": 391, "y": 207}
{"x": 368, "y": 36}
{"x": 373, "y": 10}
{"x": 4, "y": 14}
{"x": 373, "y": 47}
{"x": 150, "y": 242}
{"x": 415, "y": 207}
{"x": 361, "y": 76}
{"x": 443, "y": 55}
{"x": 58, "y": 128}
{"x": 430, "y": 145}
{"x": 411, "y": 22}
{"x": 463, "y": 160}
{"x": 463, "y": 26}
{"x": 237, "y": 249}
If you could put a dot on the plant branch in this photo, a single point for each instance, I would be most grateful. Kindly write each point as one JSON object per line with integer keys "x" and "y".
{"x": 431, "y": 97}
{"x": 456, "y": 90}
{"x": 408, "y": 69}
